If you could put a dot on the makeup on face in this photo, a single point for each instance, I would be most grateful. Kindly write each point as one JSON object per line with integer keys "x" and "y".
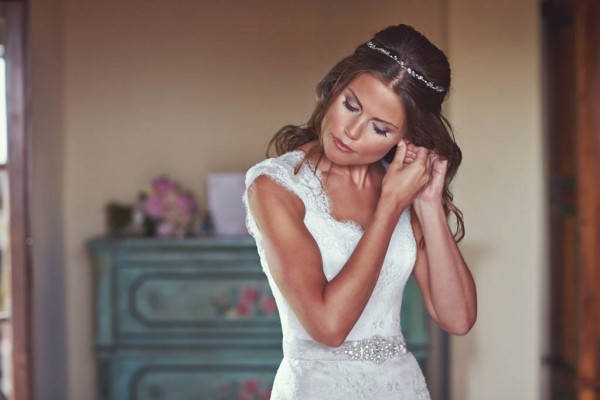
{"x": 364, "y": 122}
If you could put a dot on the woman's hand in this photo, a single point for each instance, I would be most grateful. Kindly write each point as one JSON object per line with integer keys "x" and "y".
{"x": 403, "y": 182}
{"x": 328, "y": 309}
{"x": 432, "y": 192}
{"x": 445, "y": 281}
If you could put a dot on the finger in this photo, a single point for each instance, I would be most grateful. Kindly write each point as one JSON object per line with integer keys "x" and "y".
{"x": 431, "y": 157}
{"x": 400, "y": 153}
{"x": 440, "y": 166}
{"x": 421, "y": 154}
{"x": 431, "y": 161}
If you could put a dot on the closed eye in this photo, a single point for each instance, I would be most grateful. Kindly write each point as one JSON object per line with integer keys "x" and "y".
{"x": 380, "y": 131}
{"x": 349, "y": 106}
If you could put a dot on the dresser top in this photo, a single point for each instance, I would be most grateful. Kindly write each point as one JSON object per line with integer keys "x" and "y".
{"x": 104, "y": 242}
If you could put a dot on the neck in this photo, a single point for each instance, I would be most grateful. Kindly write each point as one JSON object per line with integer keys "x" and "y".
{"x": 359, "y": 175}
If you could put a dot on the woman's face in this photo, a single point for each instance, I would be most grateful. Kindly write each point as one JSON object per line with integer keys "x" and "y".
{"x": 363, "y": 123}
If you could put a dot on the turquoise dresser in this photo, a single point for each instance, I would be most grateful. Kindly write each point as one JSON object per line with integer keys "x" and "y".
{"x": 194, "y": 319}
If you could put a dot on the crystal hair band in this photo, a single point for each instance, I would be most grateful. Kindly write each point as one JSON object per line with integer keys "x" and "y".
{"x": 409, "y": 70}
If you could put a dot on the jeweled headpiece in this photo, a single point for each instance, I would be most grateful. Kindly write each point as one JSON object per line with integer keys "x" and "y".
{"x": 408, "y": 69}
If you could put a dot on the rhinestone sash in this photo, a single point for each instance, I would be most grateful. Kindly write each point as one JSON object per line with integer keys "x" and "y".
{"x": 376, "y": 349}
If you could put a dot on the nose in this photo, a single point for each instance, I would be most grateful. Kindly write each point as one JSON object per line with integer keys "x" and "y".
{"x": 352, "y": 128}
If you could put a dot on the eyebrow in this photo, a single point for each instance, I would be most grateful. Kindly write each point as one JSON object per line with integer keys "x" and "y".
{"x": 360, "y": 105}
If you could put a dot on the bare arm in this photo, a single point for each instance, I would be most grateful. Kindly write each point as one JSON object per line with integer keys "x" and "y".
{"x": 329, "y": 309}
{"x": 440, "y": 270}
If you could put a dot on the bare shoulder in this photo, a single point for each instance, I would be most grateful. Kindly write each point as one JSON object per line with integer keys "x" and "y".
{"x": 271, "y": 202}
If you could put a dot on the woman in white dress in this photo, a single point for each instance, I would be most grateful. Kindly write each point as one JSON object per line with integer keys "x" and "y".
{"x": 356, "y": 200}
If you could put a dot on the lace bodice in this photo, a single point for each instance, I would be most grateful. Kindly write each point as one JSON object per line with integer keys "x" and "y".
{"x": 336, "y": 241}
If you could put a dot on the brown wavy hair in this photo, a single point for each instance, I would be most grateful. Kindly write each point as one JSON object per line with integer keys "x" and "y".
{"x": 427, "y": 127}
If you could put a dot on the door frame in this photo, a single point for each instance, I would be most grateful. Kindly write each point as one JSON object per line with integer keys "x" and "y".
{"x": 19, "y": 170}
{"x": 574, "y": 358}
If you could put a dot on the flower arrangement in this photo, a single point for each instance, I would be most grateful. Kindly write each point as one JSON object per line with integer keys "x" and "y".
{"x": 248, "y": 302}
{"x": 169, "y": 211}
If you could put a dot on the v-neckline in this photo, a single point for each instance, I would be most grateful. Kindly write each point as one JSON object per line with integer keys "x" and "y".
{"x": 318, "y": 175}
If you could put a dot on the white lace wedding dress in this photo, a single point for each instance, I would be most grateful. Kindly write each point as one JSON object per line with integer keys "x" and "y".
{"x": 373, "y": 363}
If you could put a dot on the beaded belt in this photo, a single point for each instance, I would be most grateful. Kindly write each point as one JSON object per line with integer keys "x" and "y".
{"x": 376, "y": 349}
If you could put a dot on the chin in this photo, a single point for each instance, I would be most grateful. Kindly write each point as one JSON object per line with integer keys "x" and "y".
{"x": 348, "y": 159}
{"x": 339, "y": 158}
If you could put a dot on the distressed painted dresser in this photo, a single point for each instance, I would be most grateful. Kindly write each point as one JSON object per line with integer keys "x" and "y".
{"x": 194, "y": 319}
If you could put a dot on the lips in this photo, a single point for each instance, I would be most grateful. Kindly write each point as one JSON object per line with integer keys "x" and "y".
{"x": 341, "y": 146}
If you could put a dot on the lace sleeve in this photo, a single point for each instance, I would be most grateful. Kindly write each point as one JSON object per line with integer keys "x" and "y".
{"x": 279, "y": 170}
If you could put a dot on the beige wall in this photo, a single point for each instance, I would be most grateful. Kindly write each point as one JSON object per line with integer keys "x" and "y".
{"x": 186, "y": 88}
{"x": 48, "y": 201}
{"x": 129, "y": 90}
{"x": 494, "y": 48}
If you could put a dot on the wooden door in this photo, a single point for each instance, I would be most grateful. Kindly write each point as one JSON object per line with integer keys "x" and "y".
{"x": 572, "y": 61}
{"x": 14, "y": 16}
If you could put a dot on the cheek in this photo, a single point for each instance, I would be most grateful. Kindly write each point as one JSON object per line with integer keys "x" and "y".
{"x": 333, "y": 120}
{"x": 379, "y": 151}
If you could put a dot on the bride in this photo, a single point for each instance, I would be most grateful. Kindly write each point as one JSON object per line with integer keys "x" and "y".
{"x": 356, "y": 200}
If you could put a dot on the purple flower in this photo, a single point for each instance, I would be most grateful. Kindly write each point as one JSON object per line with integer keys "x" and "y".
{"x": 154, "y": 206}
{"x": 162, "y": 186}
{"x": 172, "y": 208}
{"x": 186, "y": 203}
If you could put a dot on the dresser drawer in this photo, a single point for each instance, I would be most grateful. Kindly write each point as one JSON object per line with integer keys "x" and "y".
{"x": 194, "y": 319}
{"x": 210, "y": 375}
{"x": 207, "y": 295}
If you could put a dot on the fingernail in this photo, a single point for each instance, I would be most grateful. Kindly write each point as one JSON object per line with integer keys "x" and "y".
{"x": 401, "y": 143}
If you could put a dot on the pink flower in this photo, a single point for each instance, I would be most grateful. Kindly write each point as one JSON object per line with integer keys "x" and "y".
{"x": 250, "y": 387}
{"x": 268, "y": 305}
{"x": 185, "y": 203}
{"x": 162, "y": 185}
{"x": 251, "y": 294}
{"x": 166, "y": 203}
{"x": 242, "y": 309}
{"x": 267, "y": 395}
{"x": 154, "y": 206}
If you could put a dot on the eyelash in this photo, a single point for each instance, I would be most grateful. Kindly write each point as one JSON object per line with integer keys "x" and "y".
{"x": 378, "y": 130}
{"x": 349, "y": 107}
